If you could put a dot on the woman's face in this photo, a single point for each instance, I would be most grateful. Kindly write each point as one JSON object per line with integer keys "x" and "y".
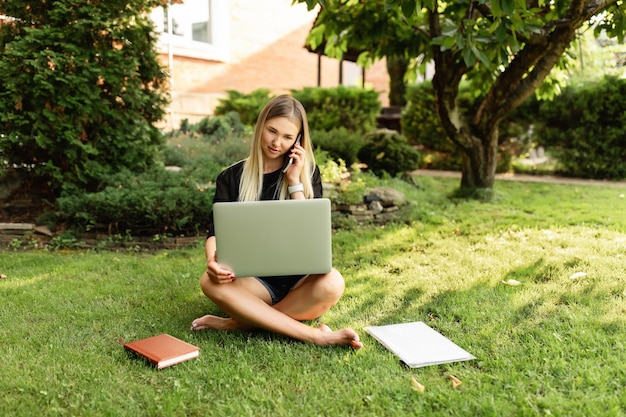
{"x": 279, "y": 135}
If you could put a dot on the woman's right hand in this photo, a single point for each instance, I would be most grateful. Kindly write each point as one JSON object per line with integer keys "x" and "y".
{"x": 217, "y": 273}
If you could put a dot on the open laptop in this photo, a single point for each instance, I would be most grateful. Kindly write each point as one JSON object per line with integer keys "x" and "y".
{"x": 275, "y": 237}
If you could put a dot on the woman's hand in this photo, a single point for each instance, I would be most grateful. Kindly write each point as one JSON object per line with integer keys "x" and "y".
{"x": 217, "y": 273}
{"x": 293, "y": 173}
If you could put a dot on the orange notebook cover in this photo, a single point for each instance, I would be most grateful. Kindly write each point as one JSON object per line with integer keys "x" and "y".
{"x": 163, "y": 350}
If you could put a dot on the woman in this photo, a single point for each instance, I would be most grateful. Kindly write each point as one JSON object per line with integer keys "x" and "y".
{"x": 281, "y": 165}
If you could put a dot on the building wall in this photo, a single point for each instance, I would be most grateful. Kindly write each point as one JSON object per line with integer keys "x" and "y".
{"x": 266, "y": 50}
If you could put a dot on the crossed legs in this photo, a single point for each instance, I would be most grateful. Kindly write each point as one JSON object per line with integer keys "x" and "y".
{"x": 248, "y": 305}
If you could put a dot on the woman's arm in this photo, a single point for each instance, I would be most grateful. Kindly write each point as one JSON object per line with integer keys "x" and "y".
{"x": 216, "y": 272}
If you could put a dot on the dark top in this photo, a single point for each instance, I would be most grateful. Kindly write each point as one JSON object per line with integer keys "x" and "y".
{"x": 227, "y": 186}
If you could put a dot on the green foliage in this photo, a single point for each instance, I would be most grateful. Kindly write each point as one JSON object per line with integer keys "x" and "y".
{"x": 586, "y": 128}
{"x": 483, "y": 37}
{"x": 613, "y": 22}
{"x": 220, "y": 127}
{"x": 420, "y": 123}
{"x": 353, "y": 191}
{"x": 340, "y": 143}
{"x": 386, "y": 25}
{"x": 505, "y": 49}
{"x": 354, "y": 109}
{"x": 155, "y": 201}
{"x": 389, "y": 152}
{"x": 422, "y": 128}
{"x": 247, "y": 105}
{"x": 81, "y": 89}
{"x": 189, "y": 150}
{"x": 332, "y": 171}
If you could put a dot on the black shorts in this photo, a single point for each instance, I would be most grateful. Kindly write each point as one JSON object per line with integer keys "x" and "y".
{"x": 279, "y": 287}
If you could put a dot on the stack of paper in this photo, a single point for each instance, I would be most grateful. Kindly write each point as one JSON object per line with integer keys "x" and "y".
{"x": 417, "y": 344}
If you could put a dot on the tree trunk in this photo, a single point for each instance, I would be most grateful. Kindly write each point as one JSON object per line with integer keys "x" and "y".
{"x": 479, "y": 162}
{"x": 396, "y": 68}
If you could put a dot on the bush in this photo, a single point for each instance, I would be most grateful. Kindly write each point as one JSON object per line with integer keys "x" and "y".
{"x": 332, "y": 171}
{"x": 340, "y": 143}
{"x": 352, "y": 108}
{"x": 248, "y": 106}
{"x": 419, "y": 119}
{"x": 389, "y": 152}
{"x": 585, "y": 127}
{"x": 155, "y": 202}
{"x": 81, "y": 90}
{"x": 421, "y": 127}
{"x": 220, "y": 127}
{"x": 205, "y": 153}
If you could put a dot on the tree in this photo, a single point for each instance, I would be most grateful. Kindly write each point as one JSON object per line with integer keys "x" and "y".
{"x": 506, "y": 49}
{"x": 381, "y": 33}
{"x": 81, "y": 89}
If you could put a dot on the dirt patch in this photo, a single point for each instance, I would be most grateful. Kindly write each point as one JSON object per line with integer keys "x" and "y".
{"x": 28, "y": 212}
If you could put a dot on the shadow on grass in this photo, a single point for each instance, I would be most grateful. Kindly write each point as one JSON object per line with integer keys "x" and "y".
{"x": 546, "y": 314}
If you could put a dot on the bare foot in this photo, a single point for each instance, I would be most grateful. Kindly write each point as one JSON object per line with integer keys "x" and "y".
{"x": 340, "y": 337}
{"x": 216, "y": 323}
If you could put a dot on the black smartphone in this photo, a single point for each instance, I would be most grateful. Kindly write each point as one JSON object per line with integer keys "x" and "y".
{"x": 297, "y": 142}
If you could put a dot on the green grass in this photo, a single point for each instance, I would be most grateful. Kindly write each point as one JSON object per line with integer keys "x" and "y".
{"x": 554, "y": 345}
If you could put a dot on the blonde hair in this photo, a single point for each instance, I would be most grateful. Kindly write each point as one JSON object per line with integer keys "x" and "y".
{"x": 251, "y": 184}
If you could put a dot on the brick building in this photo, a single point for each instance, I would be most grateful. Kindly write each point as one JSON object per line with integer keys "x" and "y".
{"x": 211, "y": 46}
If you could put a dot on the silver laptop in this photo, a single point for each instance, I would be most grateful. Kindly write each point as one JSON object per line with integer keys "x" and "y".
{"x": 274, "y": 238}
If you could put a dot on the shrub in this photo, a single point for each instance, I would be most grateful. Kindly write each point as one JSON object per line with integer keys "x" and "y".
{"x": 154, "y": 202}
{"x": 185, "y": 150}
{"x": 81, "y": 90}
{"x": 175, "y": 155}
{"x": 332, "y": 171}
{"x": 220, "y": 127}
{"x": 248, "y": 106}
{"x": 389, "y": 152}
{"x": 157, "y": 201}
{"x": 586, "y": 129}
{"x": 419, "y": 119}
{"x": 340, "y": 143}
{"x": 352, "y": 108}
{"x": 421, "y": 127}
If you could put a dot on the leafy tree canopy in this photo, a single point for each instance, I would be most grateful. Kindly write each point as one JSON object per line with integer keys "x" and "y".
{"x": 505, "y": 48}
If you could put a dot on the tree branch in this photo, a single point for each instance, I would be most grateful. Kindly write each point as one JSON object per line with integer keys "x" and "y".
{"x": 534, "y": 62}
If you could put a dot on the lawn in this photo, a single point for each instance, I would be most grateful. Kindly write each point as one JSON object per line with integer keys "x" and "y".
{"x": 554, "y": 345}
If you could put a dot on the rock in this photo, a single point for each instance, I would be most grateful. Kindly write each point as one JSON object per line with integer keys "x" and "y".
{"x": 376, "y": 207}
{"x": 44, "y": 230}
{"x": 387, "y": 196}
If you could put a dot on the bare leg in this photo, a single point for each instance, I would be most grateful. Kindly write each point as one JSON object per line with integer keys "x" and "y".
{"x": 227, "y": 323}
{"x": 312, "y": 296}
{"x": 247, "y": 303}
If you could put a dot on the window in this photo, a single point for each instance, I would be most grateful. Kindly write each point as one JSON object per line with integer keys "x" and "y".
{"x": 199, "y": 29}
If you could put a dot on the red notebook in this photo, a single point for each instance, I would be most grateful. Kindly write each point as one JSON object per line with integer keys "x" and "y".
{"x": 163, "y": 350}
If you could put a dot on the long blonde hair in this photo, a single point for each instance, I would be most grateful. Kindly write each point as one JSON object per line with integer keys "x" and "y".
{"x": 251, "y": 184}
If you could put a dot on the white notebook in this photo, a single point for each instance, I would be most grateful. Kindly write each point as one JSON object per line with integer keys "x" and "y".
{"x": 418, "y": 345}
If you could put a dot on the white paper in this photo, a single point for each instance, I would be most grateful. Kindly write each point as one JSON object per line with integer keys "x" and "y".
{"x": 417, "y": 344}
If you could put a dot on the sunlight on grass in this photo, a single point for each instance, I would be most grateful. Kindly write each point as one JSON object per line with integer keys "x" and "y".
{"x": 28, "y": 282}
{"x": 552, "y": 345}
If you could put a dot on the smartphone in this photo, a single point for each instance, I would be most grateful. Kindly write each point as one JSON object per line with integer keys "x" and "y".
{"x": 297, "y": 142}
